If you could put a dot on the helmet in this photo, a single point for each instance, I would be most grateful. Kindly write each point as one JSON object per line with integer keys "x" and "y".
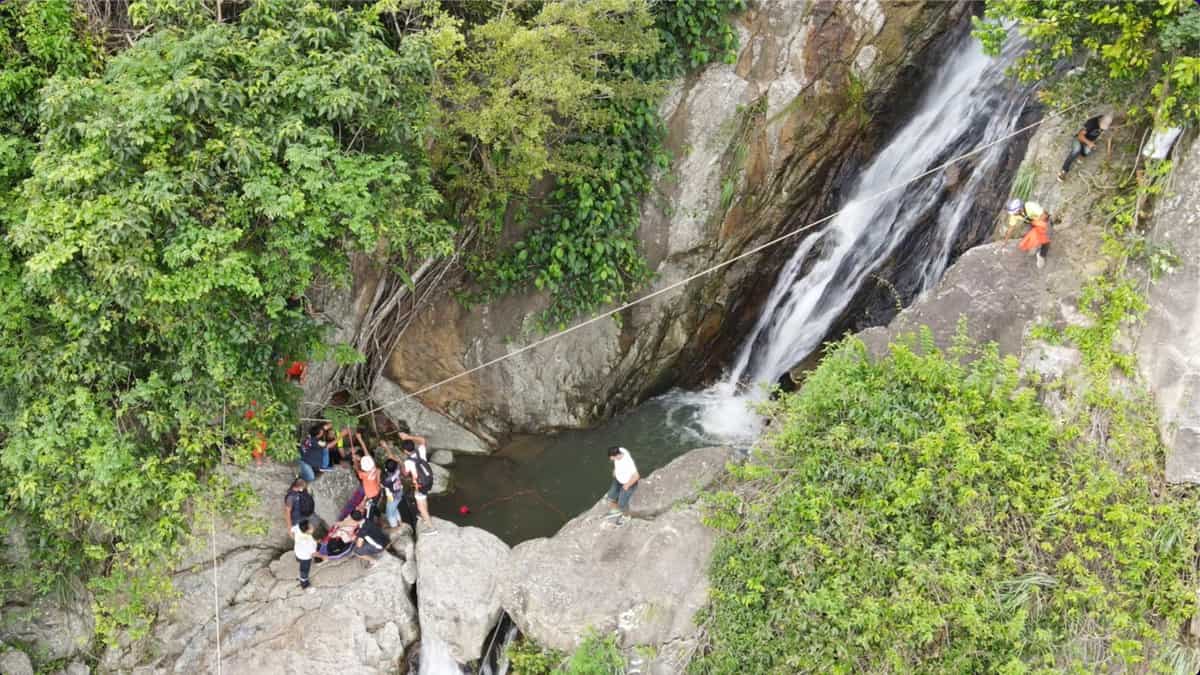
{"x": 1014, "y": 205}
{"x": 1033, "y": 209}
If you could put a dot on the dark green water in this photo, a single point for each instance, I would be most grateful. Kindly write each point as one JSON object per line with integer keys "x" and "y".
{"x": 535, "y": 484}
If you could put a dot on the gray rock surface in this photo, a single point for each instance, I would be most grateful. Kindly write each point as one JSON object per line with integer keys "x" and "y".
{"x": 15, "y": 662}
{"x": 458, "y": 573}
{"x": 76, "y": 668}
{"x": 679, "y": 481}
{"x": 441, "y": 431}
{"x": 54, "y": 629}
{"x": 442, "y": 457}
{"x": 355, "y": 620}
{"x": 644, "y": 579}
{"x": 1169, "y": 347}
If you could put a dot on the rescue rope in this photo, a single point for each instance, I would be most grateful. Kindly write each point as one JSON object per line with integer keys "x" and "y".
{"x": 212, "y": 524}
{"x": 705, "y": 272}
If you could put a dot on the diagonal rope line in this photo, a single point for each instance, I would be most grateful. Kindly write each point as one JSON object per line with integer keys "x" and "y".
{"x": 705, "y": 272}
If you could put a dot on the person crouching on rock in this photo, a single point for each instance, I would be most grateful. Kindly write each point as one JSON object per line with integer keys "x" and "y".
{"x": 371, "y": 541}
{"x": 625, "y": 481}
{"x": 1037, "y": 239}
{"x": 1084, "y": 141}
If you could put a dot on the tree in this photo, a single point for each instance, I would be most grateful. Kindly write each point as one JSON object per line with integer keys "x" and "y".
{"x": 37, "y": 40}
{"x": 180, "y": 205}
{"x": 1126, "y": 50}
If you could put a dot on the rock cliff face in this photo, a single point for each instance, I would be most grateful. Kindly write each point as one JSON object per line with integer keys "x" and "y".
{"x": 1167, "y": 349}
{"x": 759, "y": 146}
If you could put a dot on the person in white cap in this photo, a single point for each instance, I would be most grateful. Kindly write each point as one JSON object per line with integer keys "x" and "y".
{"x": 368, "y": 473}
{"x": 625, "y": 482}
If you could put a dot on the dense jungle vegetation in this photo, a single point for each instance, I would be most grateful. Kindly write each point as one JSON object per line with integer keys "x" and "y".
{"x": 168, "y": 194}
{"x": 925, "y": 512}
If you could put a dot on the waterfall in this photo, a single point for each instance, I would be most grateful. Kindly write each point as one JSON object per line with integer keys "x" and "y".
{"x": 436, "y": 658}
{"x": 968, "y": 104}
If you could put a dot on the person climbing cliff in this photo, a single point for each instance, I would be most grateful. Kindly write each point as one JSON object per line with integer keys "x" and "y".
{"x": 625, "y": 482}
{"x": 1084, "y": 141}
{"x": 1037, "y": 239}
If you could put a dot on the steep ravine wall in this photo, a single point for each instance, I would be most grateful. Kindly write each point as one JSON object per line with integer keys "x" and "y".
{"x": 760, "y": 146}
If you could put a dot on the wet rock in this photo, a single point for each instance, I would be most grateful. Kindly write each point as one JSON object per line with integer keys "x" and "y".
{"x": 458, "y": 573}
{"x": 15, "y": 662}
{"x": 645, "y": 578}
{"x": 1167, "y": 353}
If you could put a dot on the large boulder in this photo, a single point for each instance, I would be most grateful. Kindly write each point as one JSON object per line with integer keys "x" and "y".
{"x": 15, "y": 662}
{"x": 1167, "y": 352}
{"x": 645, "y": 578}
{"x": 458, "y": 575}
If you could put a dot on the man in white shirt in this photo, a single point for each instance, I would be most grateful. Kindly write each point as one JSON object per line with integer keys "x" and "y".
{"x": 625, "y": 480}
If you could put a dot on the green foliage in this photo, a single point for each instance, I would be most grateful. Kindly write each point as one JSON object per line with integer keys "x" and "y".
{"x": 37, "y": 39}
{"x": 526, "y": 657}
{"x": 596, "y": 655}
{"x": 180, "y": 205}
{"x": 1023, "y": 184}
{"x": 584, "y": 249}
{"x": 514, "y": 91}
{"x": 1133, "y": 50}
{"x": 923, "y": 513}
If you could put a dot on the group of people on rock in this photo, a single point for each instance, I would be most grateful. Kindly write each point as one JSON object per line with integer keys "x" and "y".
{"x": 394, "y": 487}
{"x": 1034, "y": 215}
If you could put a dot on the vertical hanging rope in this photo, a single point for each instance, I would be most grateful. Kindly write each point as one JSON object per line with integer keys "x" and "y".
{"x": 212, "y": 529}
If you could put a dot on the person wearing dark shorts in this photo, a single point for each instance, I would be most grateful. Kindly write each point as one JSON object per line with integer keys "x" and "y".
{"x": 625, "y": 482}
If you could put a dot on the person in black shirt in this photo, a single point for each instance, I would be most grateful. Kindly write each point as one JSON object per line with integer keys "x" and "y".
{"x": 371, "y": 540}
{"x": 1085, "y": 141}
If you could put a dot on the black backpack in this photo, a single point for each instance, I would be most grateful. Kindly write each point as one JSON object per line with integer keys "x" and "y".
{"x": 304, "y": 502}
{"x": 394, "y": 482}
{"x": 424, "y": 473}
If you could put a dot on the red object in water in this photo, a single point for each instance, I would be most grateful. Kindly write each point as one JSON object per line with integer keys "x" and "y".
{"x": 464, "y": 509}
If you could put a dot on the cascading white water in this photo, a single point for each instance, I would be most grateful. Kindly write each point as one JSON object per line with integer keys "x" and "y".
{"x": 970, "y": 103}
{"x": 436, "y": 658}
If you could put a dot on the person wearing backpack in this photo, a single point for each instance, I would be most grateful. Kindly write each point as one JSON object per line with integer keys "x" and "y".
{"x": 393, "y": 487}
{"x": 298, "y": 505}
{"x": 419, "y": 471}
